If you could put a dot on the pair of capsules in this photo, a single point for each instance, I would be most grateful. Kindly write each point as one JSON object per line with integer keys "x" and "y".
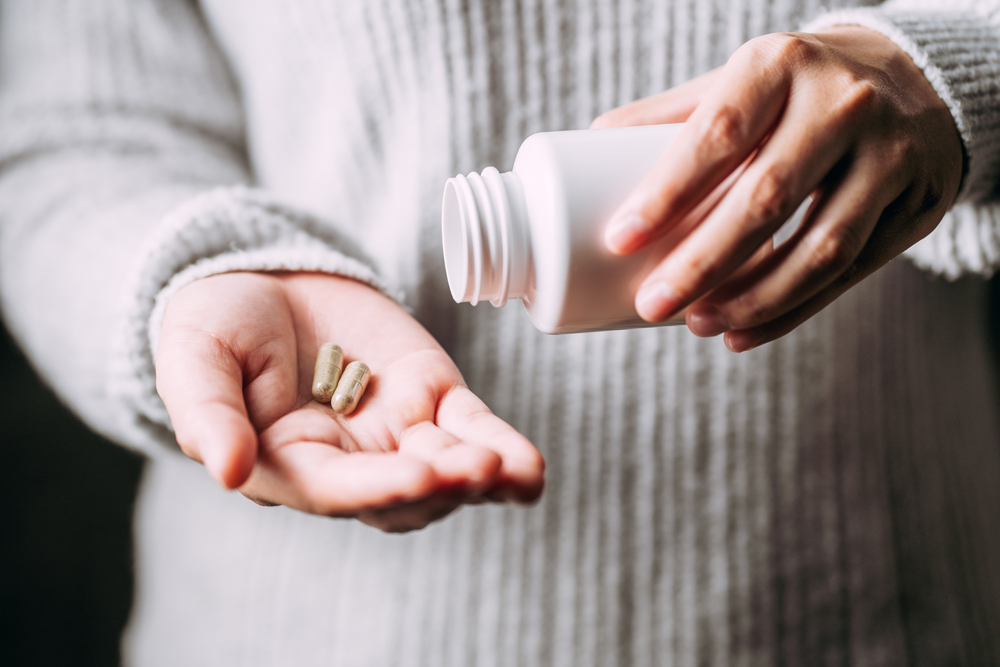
{"x": 341, "y": 387}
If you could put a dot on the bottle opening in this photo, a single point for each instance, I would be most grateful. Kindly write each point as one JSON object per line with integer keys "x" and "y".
{"x": 486, "y": 254}
{"x": 456, "y": 246}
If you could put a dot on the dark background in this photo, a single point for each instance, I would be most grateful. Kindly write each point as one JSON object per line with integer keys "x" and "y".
{"x": 65, "y": 525}
{"x": 65, "y": 529}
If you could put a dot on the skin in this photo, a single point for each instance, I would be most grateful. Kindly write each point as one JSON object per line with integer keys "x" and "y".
{"x": 843, "y": 115}
{"x": 234, "y": 368}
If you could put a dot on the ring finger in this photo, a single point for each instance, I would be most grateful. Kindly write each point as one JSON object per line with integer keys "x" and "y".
{"x": 790, "y": 165}
{"x": 828, "y": 243}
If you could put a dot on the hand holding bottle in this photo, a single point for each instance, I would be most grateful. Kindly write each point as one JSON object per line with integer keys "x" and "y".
{"x": 844, "y": 116}
{"x": 234, "y": 368}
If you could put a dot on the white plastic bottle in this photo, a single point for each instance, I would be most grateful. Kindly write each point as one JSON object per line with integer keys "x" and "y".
{"x": 536, "y": 233}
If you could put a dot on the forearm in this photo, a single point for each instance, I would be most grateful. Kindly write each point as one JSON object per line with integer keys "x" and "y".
{"x": 120, "y": 162}
{"x": 97, "y": 144}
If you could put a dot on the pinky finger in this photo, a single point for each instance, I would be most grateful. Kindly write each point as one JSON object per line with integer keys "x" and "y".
{"x": 700, "y": 319}
{"x": 838, "y": 229}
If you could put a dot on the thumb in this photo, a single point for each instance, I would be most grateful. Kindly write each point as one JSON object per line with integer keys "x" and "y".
{"x": 201, "y": 384}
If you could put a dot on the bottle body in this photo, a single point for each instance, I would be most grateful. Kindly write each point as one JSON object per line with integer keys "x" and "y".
{"x": 536, "y": 233}
{"x": 573, "y": 182}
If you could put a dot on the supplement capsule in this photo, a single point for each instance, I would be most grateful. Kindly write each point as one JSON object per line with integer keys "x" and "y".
{"x": 352, "y": 385}
{"x": 329, "y": 364}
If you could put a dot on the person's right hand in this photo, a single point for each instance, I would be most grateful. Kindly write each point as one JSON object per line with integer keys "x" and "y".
{"x": 844, "y": 116}
{"x": 234, "y": 368}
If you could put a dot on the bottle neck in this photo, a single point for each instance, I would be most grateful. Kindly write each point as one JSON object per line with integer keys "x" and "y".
{"x": 484, "y": 225}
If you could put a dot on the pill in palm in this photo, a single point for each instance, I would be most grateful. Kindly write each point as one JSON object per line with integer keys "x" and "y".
{"x": 351, "y": 387}
{"x": 329, "y": 364}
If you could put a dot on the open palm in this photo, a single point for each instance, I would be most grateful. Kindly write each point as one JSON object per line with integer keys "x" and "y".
{"x": 234, "y": 368}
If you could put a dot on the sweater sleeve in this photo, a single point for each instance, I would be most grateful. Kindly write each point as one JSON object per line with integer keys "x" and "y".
{"x": 956, "y": 43}
{"x": 123, "y": 177}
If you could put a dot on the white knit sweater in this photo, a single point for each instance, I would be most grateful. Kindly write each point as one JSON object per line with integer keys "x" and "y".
{"x": 829, "y": 499}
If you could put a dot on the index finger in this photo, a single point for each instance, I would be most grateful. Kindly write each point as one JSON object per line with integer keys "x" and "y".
{"x": 735, "y": 116}
{"x": 671, "y": 106}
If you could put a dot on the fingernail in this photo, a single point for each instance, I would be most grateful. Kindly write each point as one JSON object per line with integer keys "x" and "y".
{"x": 744, "y": 339}
{"x": 625, "y": 234}
{"x": 656, "y": 301}
{"x": 707, "y": 321}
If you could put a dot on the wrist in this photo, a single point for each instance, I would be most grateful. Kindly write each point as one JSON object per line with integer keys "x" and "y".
{"x": 956, "y": 51}
{"x": 888, "y": 65}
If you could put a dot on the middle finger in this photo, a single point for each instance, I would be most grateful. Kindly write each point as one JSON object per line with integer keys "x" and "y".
{"x": 799, "y": 154}
{"x": 829, "y": 242}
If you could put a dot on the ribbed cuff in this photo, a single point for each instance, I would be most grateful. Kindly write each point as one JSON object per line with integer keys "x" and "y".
{"x": 965, "y": 242}
{"x": 225, "y": 230}
{"x": 959, "y": 53}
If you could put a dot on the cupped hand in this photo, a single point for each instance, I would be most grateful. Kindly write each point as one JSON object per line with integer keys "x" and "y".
{"x": 234, "y": 367}
{"x": 844, "y": 116}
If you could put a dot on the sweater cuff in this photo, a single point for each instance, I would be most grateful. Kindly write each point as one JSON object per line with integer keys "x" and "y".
{"x": 965, "y": 242}
{"x": 959, "y": 53}
{"x": 222, "y": 231}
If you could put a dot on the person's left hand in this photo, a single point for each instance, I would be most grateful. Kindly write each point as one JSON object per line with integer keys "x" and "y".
{"x": 234, "y": 368}
{"x": 844, "y": 116}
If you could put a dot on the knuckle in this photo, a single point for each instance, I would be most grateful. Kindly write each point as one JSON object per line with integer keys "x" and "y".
{"x": 856, "y": 96}
{"x": 725, "y": 129}
{"x": 848, "y": 276}
{"x": 896, "y": 152}
{"x": 854, "y": 271}
{"x": 934, "y": 196}
{"x": 794, "y": 48}
{"x": 782, "y": 49}
{"x": 769, "y": 198}
{"x": 188, "y": 448}
{"x": 833, "y": 251}
{"x": 693, "y": 271}
{"x": 747, "y": 310}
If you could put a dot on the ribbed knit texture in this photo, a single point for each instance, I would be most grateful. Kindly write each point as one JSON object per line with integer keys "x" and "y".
{"x": 829, "y": 499}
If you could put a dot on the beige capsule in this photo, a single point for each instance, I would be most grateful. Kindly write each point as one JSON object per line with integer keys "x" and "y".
{"x": 351, "y": 387}
{"x": 329, "y": 364}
